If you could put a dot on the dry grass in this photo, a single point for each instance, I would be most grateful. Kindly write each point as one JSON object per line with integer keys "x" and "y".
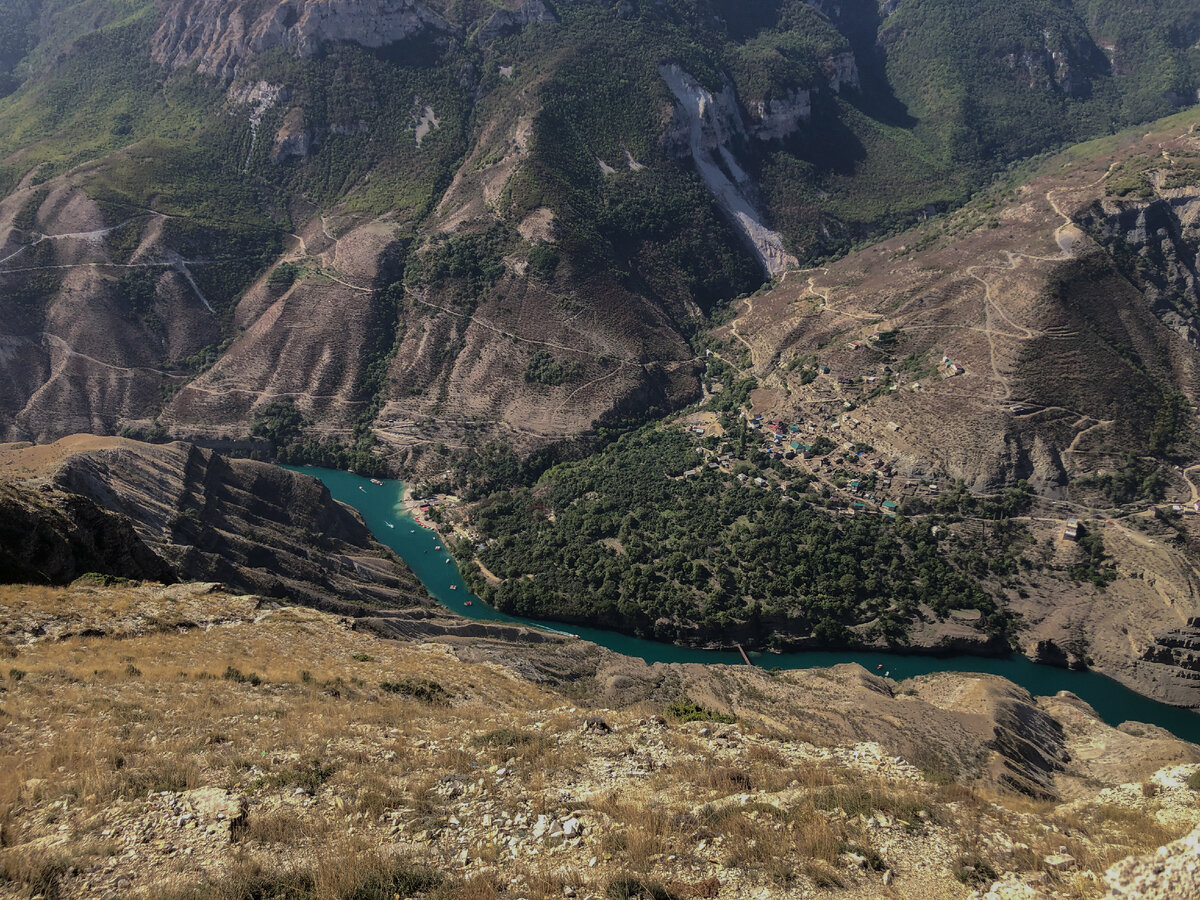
{"x": 356, "y": 792}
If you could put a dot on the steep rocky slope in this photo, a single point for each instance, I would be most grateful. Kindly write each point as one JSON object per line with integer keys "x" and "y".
{"x": 49, "y": 537}
{"x": 1035, "y": 334}
{"x": 156, "y": 756}
{"x": 250, "y": 525}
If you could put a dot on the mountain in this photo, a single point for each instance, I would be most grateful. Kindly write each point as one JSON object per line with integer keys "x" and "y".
{"x": 1022, "y": 364}
{"x": 401, "y": 230}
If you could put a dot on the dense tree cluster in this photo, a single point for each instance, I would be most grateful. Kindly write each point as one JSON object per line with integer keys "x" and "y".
{"x": 628, "y": 540}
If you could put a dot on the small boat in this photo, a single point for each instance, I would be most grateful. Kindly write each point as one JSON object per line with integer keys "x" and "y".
{"x": 437, "y": 546}
{"x": 454, "y": 587}
{"x": 412, "y": 531}
{"x": 377, "y": 481}
{"x": 467, "y": 603}
{"x": 447, "y": 562}
{"x": 389, "y": 524}
{"x": 880, "y": 666}
{"x": 361, "y": 488}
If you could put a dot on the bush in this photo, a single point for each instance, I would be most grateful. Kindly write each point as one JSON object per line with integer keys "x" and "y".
{"x": 626, "y": 887}
{"x": 543, "y": 368}
{"x": 418, "y": 689}
{"x": 685, "y": 709}
{"x": 975, "y": 871}
{"x": 235, "y": 675}
{"x": 503, "y": 737}
{"x": 543, "y": 261}
{"x": 283, "y": 276}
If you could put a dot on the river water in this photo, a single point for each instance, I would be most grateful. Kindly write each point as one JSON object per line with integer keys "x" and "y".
{"x": 381, "y": 505}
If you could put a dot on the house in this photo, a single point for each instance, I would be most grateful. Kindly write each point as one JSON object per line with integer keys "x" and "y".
{"x": 1071, "y": 532}
{"x": 889, "y": 508}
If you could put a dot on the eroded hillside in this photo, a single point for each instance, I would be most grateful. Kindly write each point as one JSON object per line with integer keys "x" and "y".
{"x": 123, "y": 508}
{"x": 412, "y": 228}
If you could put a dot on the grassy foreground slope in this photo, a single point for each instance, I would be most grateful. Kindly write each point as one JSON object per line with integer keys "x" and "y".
{"x": 184, "y": 742}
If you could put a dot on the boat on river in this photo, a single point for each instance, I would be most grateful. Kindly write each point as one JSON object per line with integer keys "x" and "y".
{"x": 389, "y": 524}
{"x": 377, "y": 481}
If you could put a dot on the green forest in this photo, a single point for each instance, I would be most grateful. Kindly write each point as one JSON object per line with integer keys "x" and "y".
{"x": 627, "y": 540}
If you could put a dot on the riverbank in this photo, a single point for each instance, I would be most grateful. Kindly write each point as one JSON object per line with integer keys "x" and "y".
{"x": 1113, "y": 702}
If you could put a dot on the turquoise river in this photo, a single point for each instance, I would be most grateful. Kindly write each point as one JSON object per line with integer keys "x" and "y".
{"x": 382, "y": 509}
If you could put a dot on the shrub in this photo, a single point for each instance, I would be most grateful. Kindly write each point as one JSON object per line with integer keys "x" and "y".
{"x": 283, "y": 276}
{"x": 418, "y": 689}
{"x": 626, "y": 887}
{"x": 685, "y": 709}
{"x": 543, "y": 368}
{"x": 234, "y": 674}
{"x": 503, "y": 737}
{"x": 41, "y": 874}
{"x": 975, "y": 871}
{"x": 308, "y": 775}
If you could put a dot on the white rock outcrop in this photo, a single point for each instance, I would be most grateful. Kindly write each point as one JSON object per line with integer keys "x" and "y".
{"x": 780, "y": 117}
{"x": 842, "y": 71}
{"x": 709, "y": 123}
{"x": 1171, "y": 873}
{"x": 217, "y": 35}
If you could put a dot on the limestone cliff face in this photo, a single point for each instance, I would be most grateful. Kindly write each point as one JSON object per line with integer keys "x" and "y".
{"x": 708, "y": 126}
{"x": 1067, "y": 61}
{"x": 778, "y": 117}
{"x": 217, "y": 36}
{"x": 842, "y": 71}
{"x": 528, "y": 13}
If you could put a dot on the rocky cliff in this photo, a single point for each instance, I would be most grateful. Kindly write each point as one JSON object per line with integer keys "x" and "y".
{"x": 1152, "y": 228}
{"x": 708, "y": 126}
{"x": 52, "y": 537}
{"x": 252, "y": 526}
{"x": 218, "y": 38}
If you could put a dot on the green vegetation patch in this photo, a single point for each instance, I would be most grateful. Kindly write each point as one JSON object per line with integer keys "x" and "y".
{"x": 685, "y": 709}
{"x": 626, "y": 540}
{"x": 543, "y": 368}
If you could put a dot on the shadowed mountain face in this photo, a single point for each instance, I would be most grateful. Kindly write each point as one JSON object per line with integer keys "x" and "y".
{"x": 441, "y": 225}
{"x": 175, "y": 512}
